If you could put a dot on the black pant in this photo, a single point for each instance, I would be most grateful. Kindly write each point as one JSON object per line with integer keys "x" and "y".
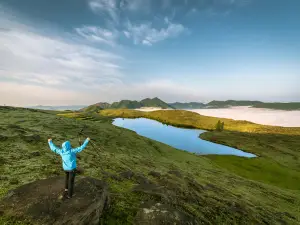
{"x": 69, "y": 182}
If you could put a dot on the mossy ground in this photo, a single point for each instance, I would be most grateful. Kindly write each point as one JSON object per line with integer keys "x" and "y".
{"x": 213, "y": 189}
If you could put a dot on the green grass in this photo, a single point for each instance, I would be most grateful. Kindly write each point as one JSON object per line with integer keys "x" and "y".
{"x": 278, "y": 162}
{"x": 213, "y": 189}
{"x": 277, "y": 147}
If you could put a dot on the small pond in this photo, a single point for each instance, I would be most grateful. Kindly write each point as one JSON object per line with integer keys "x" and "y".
{"x": 180, "y": 138}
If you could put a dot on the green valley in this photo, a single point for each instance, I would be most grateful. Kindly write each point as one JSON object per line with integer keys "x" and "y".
{"x": 210, "y": 189}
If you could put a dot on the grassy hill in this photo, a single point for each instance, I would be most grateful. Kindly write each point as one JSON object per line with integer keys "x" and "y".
{"x": 280, "y": 106}
{"x": 154, "y": 102}
{"x": 96, "y": 107}
{"x": 139, "y": 171}
{"x": 126, "y": 104}
{"x": 148, "y": 102}
{"x": 228, "y": 103}
{"x": 188, "y": 105}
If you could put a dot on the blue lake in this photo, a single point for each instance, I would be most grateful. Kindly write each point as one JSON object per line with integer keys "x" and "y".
{"x": 180, "y": 138}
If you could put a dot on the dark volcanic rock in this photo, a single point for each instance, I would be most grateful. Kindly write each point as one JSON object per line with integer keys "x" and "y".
{"x": 39, "y": 202}
{"x": 157, "y": 213}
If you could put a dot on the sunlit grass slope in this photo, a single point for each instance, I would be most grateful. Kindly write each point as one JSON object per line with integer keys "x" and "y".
{"x": 199, "y": 186}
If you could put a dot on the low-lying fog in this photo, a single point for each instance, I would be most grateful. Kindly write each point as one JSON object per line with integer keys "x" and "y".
{"x": 255, "y": 115}
{"x": 261, "y": 116}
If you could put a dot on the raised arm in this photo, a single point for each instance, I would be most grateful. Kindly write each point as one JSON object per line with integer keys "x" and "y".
{"x": 53, "y": 147}
{"x": 79, "y": 149}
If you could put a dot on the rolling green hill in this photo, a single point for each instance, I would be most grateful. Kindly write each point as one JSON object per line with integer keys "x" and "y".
{"x": 148, "y": 102}
{"x": 126, "y": 104}
{"x": 229, "y": 103}
{"x": 154, "y": 102}
{"x": 142, "y": 173}
{"x": 187, "y": 105}
{"x": 96, "y": 107}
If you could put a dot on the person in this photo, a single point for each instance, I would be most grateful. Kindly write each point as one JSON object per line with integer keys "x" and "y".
{"x": 68, "y": 155}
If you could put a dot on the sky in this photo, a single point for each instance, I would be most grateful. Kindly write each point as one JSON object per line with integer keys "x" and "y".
{"x": 74, "y": 52}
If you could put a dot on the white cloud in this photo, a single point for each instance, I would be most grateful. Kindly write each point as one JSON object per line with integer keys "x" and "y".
{"x": 31, "y": 58}
{"x": 146, "y": 42}
{"x": 97, "y": 34}
{"x": 42, "y": 69}
{"x": 127, "y": 34}
{"x": 136, "y": 5}
{"x": 109, "y": 7}
{"x": 27, "y": 94}
{"x": 146, "y": 34}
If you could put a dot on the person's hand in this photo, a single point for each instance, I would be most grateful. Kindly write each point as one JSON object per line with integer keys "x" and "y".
{"x": 50, "y": 139}
{"x": 88, "y": 139}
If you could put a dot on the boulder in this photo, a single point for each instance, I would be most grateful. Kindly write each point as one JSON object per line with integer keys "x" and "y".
{"x": 39, "y": 202}
{"x": 156, "y": 213}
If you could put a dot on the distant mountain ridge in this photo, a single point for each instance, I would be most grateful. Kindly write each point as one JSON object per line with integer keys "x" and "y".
{"x": 96, "y": 107}
{"x": 128, "y": 104}
{"x": 158, "y": 103}
{"x": 229, "y": 103}
{"x": 147, "y": 102}
{"x": 188, "y": 105}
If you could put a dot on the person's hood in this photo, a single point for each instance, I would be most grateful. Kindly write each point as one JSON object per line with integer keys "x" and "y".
{"x": 66, "y": 146}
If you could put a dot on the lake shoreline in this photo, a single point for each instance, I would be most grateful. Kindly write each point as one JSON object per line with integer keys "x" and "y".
{"x": 210, "y": 132}
{"x": 185, "y": 139}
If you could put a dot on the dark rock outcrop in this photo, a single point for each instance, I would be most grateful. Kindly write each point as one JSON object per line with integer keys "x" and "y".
{"x": 39, "y": 202}
{"x": 156, "y": 213}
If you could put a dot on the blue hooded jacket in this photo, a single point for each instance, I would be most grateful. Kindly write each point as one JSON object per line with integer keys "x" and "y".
{"x": 67, "y": 153}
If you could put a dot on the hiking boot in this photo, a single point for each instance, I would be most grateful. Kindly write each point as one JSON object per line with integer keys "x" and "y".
{"x": 68, "y": 197}
{"x": 63, "y": 196}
